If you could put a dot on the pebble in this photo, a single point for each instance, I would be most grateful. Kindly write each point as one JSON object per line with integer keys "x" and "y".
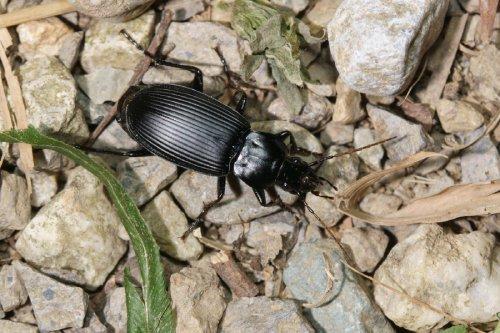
{"x": 322, "y": 12}
{"x": 44, "y": 187}
{"x": 115, "y": 310}
{"x": 342, "y": 170}
{"x": 13, "y": 294}
{"x": 437, "y": 183}
{"x": 347, "y": 108}
{"x": 168, "y": 223}
{"x": 480, "y": 162}
{"x": 55, "y": 304}
{"x": 267, "y": 234}
{"x": 198, "y": 299}
{"x": 380, "y": 204}
{"x": 410, "y": 137}
{"x": 295, "y": 5}
{"x": 185, "y": 9}
{"x": 123, "y": 10}
{"x": 143, "y": 177}
{"x": 15, "y": 210}
{"x": 105, "y": 84}
{"x": 51, "y": 161}
{"x": 459, "y": 274}
{"x": 92, "y": 324}
{"x": 323, "y": 77}
{"x": 195, "y": 42}
{"x": 49, "y": 94}
{"x": 105, "y": 47}
{"x": 367, "y": 246}
{"x": 42, "y": 37}
{"x": 315, "y": 114}
{"x": 13, "y": 327}
{"x": 115, "y": 138}
{"x": 325, "y": 208}
{"x": 262, "y": 314}
{"x": 458, "y": 116}
{"x": 24, "y": 314}
{"x": 371, "y": 156}
{"x": 484, "y": 73}
{"x": 71, "y": 241}
{"x": 69, "y": 51}
{"x": 337, "y": 134}
{"x": 351, "y": 308}
{"x": 377, "y": 45}
{"x": 93, "y": 112}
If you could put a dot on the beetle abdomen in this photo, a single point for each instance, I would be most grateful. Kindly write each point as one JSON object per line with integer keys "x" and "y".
{"x": 184, "y": 126}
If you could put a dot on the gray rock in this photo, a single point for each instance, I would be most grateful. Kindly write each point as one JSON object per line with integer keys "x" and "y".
{"x": 262, "y": 314}
{"x": 168, "y": 223}
{"x": 12, "y": 291}
{"x": 348, "y": 108}
{"x": 316, "y": 112}
{"x": 93, "y": 112}
{"x": 144, "y": 177}
{"x": 15, "y": 210}
{"x": 198, "y": 299}
{"x": 323, "y": 77}
{"x": 437, "y": 182}
{"x": 6, "y": 233}
{"x": 351, "y": 308}
{"x": 325, "y": 208}
{"x": 481, "y": 162}
{"x": 105, "y": 84}
{"x": 322, "y": 12}
{"x": 51, "y": 161}
{"x": 49, "y": 93}
{"x": 115, "y": 310}
{"x": 410, "y": 137}
{"x": 416, "y": 266}
{"x": 195, "y": 43}
{"x": 367, "y": 246}
{"x": 24, "y": 314}
{"x": 484, "y": 73}
{"x": 295, "y": 5}
{"x": 92, "y": 324}
{"x": 76, "y": 235}
{"x": 458, "y": 116}
{"x": 105, "y": 47}
{"x": 185, "y": 9}
{"x": 380, "y": 204}
{"x": 44, "y": 187}
{"x": 266, "y": 234}
{"x": 371, "y": 156}
{"x": 70, "y": 49}
{"x": 337, "y": 134}
{"x": 42, "y": 37}
{"x": 378, "y": 45}
{"x": 118, "y": 11}
{"x": 56, "y": 305}
{"x": 115, "y": 138}
{"x": 340, "y": 171}
{"x": 13, "y": 327}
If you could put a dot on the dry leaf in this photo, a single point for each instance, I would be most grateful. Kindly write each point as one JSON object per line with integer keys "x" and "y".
{"x": 456, "y": 201}
{"x": 487, "y": 10}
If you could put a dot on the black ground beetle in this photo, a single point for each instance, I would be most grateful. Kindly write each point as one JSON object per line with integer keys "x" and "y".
{"x": 195, "y": 131}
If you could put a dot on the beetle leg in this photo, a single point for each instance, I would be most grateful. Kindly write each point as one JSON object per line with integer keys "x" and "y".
{"x": 130, "y": 153}
{"x": 294, "y": 148}
{"x": 198, "y": 75}
{"x": 221, "y": 189}
{"x": 261, "y": 197}
{"x": 242, "y": 102}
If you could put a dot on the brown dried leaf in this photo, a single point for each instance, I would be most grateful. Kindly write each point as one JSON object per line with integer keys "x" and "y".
{"x": 456, "y": 201}
{"x": 487, "y": 10}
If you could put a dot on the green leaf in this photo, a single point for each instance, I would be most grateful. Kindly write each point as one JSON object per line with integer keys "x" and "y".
{"x": 156, "y": 312}
{"x": 135, "y": 307}
{"x": 497, "y": 328}
{"x": 287, "y": 90}
{"x": 248, "y": 16}
{"x": 288, "y": 64}
{"x": 455, "y": 329}
{"x": 268, "y": 35}
{"x": 250, "y": 64}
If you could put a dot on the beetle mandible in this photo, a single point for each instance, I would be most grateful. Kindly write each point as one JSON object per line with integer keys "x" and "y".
{"x": 196, "y": 131}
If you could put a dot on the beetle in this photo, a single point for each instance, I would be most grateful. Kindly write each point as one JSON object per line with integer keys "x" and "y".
{"x": 196, "y": 131}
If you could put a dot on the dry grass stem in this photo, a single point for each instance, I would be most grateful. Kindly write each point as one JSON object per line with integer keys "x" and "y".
{"x": 38, "y": 12}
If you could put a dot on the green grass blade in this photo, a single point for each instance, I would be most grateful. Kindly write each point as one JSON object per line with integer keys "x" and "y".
{"x": 135, "y": 307}
{"x": 157, "y": 310}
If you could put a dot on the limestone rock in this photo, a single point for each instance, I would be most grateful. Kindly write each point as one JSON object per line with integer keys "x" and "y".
{"x": 480, "y": 162}
{"x": 70, "y": 49}
{"x": 105, "y": 84}
{"x": 115, "y": 310}
{"x": 367, "y": 246}
{"x": 123, "y": 10}
{"x": 348, "y": 108}
{"x": 322, "y": 12}
{"x": 12, "y": 291}
{"x": 380, "y": 204}
{"x": 337, "y": 134}
{"x": 484, "y": 74}
{"x": 15, "y": 210}
{"x": 13, "y": 327}
{"x": 458, "y": 116}
{"x": 377, "y": 45}
{"x": 185, "y": 9}
{"x": 295, "y": 5}
{"x": 371, "y": 156}
{"x": 44, "y": 187}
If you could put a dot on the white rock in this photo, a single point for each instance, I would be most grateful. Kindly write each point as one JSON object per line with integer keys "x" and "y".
{"x": 115, "y": 310}
{"x": 459, "y": 274}
{"x": 13, "y": 327}
{"x": 371, "y": 156}
{"x": 322, "y": 12}
{"x": 195, "y": 43}
{"x": 484, "y": 73}
{"x": 115, "y": 138}
{"x": 106, "y": 47}
{"x": 44, "y": 187}
{"x": 198, "y": 299}
{"x": 15, "y": 210}
{"x": 49, "y": 93}
{"x": 117, "y": 11}
{"x": 185, "y": 9}
{"x": 76, "y": 235}
{"x": 481, "y": 162}
{"x": 337, "y": 134}
{"x": 295, "y": 5}
{"x": 377, "y": 45}
{"x": 342, "y": 170}
{"x": 367, "y": 246}
{"x": 326, "y": 210}
{"x": 12, "y": 291}
{"x": 93, "y": 112}
{"x": 56, "y": 305}
{"x": 348, "y": 108}
{"x": 168, "y": 223}
{"x": 323, "y": 76}
{"x": 105, "y": 84}
{"x": 380, "y": 204}
{"x": 42, "y": 37}
{"x": 143, "y": 177}
{"x": 458, "y": 116}
{"x": 70, "y": 49}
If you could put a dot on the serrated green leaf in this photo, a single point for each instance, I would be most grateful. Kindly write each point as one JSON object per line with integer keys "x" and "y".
{"x": 455, "y": 329}
{"x": 250, "y": 64}
{"x": 157, "y": 310}
{"x": 287, "y": 90}
{"x": 135, "y": 307}
{"x": 268, "y": 35}
{"x": 248, "y": 16}
{"x": 288, "y": 64}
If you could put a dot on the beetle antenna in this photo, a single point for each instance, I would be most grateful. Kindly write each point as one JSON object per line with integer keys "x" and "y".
{"x": 349, "y": 152}
{"x": 137, "y": 45}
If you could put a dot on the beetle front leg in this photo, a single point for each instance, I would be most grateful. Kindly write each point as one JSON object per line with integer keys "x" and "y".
{"x": 242, "y": 102}
{"x": 221, "y": 189}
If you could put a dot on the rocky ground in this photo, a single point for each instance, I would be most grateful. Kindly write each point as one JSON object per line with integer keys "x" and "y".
{"x": 257, "y": 269}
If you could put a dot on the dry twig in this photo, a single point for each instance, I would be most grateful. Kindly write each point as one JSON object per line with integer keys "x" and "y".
{"x": 38, "y": 12}
{"x": 234, "y": 276}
